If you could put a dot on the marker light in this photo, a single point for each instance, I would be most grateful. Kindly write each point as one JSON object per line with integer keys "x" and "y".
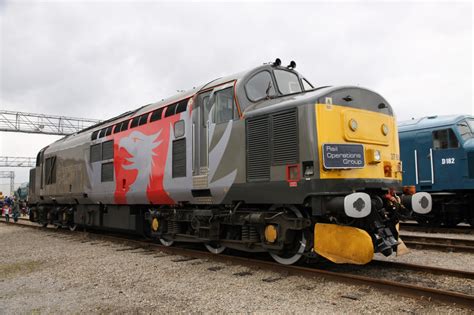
{"x": 385, "y": 129}
{"x": 353, "y": 124}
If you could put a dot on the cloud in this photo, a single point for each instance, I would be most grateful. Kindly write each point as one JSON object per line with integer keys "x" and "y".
{"x": 98, "y": 59}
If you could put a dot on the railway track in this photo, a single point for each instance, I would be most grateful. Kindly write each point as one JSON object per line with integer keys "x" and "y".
{"x": 415, "y": 227}
{"x": 404, "y": 289}
{"x": 438, "y": 243}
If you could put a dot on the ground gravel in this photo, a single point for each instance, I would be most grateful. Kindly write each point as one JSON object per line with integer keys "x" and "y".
{"x": 44, "y": 272}
{"x": 430, "y": 257}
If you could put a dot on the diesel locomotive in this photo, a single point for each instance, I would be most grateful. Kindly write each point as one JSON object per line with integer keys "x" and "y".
{"x": 260, "y": 161}
{"x": 438, "y": 157}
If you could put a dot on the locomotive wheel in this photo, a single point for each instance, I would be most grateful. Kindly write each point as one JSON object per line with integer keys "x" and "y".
{"x": 166, "y": 243}
{"x": 295, "y": 250}
{"x": 215, "y": 248}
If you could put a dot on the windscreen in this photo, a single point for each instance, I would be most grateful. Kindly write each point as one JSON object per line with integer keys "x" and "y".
{"x": 466, "y": 128}
{"x": 287, "y": 82}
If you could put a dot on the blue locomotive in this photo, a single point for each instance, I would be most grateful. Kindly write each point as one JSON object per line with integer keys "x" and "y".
{"x": 438, "y": 157}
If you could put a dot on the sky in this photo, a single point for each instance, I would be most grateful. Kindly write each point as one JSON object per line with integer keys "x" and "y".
{"x": 96, "y": 59}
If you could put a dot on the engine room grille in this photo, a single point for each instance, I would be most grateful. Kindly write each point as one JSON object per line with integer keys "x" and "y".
{"x": 285, "y": 138}
{"x": 258, "y": 149}
{"x": 179, "y": 158}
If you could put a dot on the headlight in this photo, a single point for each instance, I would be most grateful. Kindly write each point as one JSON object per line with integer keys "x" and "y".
{"x": 373, "y": 156}
{"x": 385, "y": 129}
{"x": 377, "y": 156}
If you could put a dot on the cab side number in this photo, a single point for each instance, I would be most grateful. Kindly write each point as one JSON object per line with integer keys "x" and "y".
{"x": 448, "y": 161}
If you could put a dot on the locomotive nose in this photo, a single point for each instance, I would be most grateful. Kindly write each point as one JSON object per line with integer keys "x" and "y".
{"x": 420, "y": 202}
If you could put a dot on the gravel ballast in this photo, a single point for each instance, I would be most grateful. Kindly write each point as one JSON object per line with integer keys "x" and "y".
{"x": 47, "y": 272}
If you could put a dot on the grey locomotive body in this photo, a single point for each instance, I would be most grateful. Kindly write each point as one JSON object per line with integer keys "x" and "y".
{"x": 259, "y": 161}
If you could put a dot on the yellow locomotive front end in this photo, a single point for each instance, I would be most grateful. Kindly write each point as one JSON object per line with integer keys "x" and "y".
{"x": 375, "y": 133}
{"x": 359, "y": 155}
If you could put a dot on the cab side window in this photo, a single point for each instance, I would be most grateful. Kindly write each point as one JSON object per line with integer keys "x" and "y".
{"x": 444, "y": 139}
{"x": 225, "y": 108}
{"x": 207, "y": 108}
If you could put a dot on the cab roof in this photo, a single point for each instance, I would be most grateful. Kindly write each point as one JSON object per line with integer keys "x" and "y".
{"x": 430, "y": 122}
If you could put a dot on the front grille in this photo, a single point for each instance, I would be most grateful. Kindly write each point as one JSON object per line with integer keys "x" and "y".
{"x": 285, "y": 138}
{"x": 258, "y": 149}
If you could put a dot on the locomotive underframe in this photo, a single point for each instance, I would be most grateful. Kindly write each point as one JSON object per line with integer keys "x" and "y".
{"x": 449, "y": 209}
{"x": 238, "y": 226}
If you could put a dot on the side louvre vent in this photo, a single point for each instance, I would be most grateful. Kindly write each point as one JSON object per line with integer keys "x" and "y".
{"x": 179, "y": 158}
{"x": 258, "y": 149}
{"x": 470, "y": 164}
{"x": 107, "y": 172}
{"x": 285, "y": 138}
{"x": 108, "y": 150}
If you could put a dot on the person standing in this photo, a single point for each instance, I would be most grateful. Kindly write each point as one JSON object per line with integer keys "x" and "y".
{"x": 15, "y": 209}
{"x": 6, "y": 211}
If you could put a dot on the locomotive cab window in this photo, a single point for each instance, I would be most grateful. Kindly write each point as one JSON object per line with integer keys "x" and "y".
{"x": 50, "y": 170}
{"x": 207, "y": 108}
{"x": 306, "y": 85}
{"x": 260, "y": 86}
{"x": 464, "y": 130}
{"x": 38, "y": 158}
{"x": 287, "y": 82}
{"x": 444, "y": 139}
{"x": 225, "y": 108}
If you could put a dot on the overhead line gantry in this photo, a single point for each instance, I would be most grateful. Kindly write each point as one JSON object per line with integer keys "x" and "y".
{"x": 11, "y": 121}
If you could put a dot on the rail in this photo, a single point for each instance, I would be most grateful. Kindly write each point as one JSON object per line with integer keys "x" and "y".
{"x": 404, "y": 289}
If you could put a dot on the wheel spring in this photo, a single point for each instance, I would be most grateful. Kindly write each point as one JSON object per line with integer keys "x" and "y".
{"x": 253, "y": 234}
{"x": 249, "y": 233}
{"x": 173, "y": 227}
{"x": 245, "y": 233}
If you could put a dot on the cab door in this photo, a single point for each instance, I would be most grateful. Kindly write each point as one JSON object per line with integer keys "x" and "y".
{"x": 201, "y": 142}
{"x": 211, "y": 116}
{"x": 447, "y": 157}
{"x": 424, "y": 159}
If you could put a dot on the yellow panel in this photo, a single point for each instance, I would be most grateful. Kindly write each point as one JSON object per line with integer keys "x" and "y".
{"x": 333, "y": 127}
{"x": 343, "y": 244}
{"x": 369, "y": 126}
